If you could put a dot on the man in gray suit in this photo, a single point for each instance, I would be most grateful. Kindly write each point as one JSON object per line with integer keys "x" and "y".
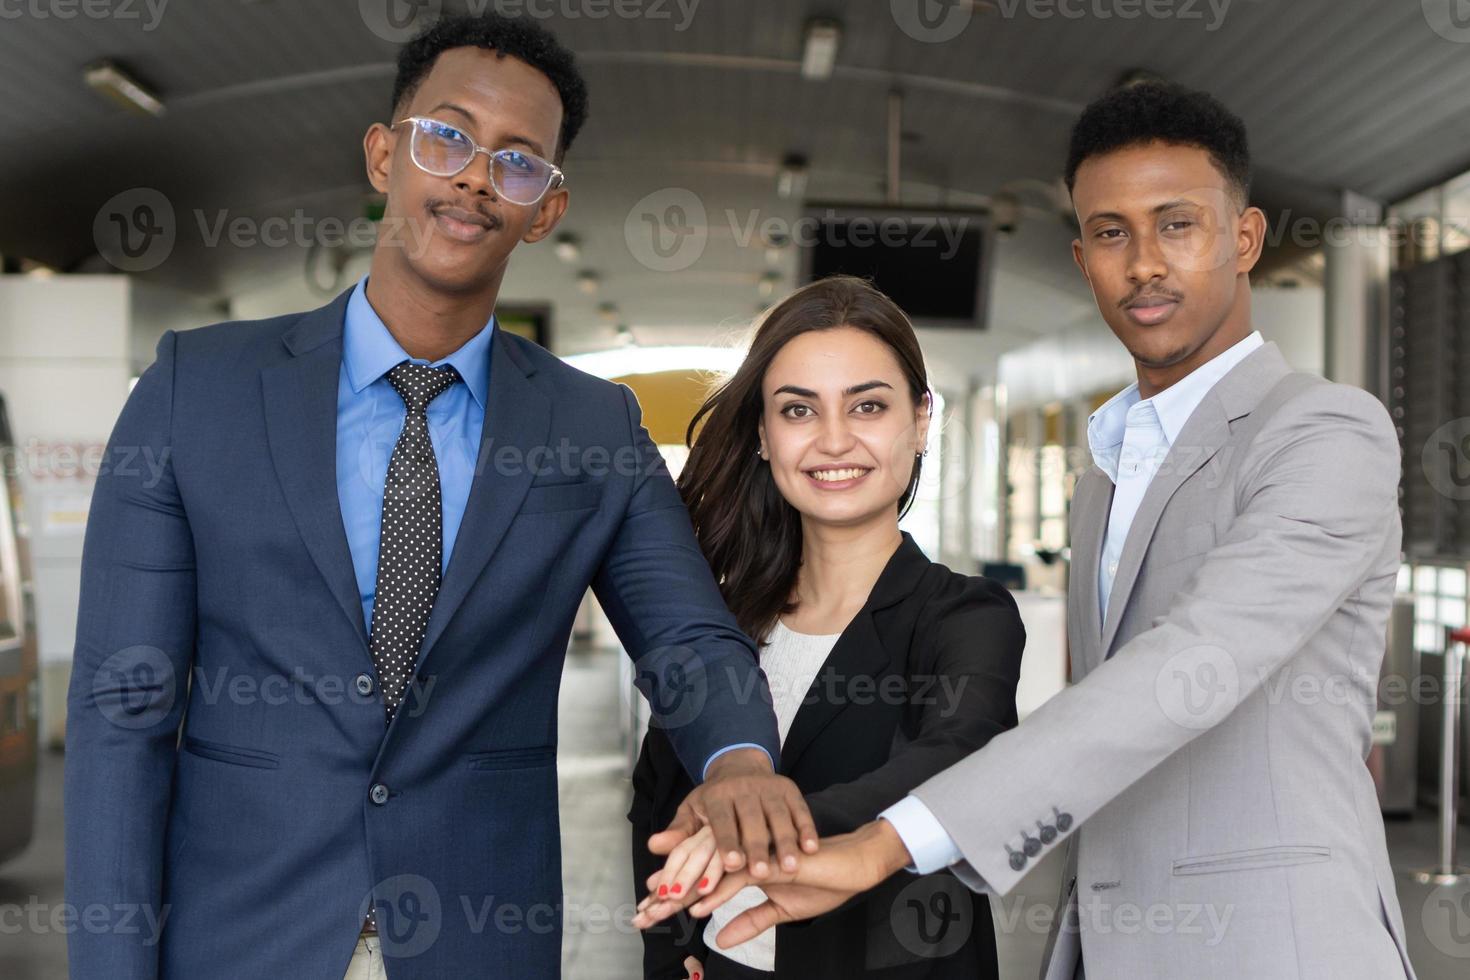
{"x": 1235, "y": 547}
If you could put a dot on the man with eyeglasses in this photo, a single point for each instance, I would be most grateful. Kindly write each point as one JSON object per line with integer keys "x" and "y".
{"x": 365, "y": 544}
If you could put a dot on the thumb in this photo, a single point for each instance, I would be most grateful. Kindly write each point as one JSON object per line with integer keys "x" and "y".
{"x": 684, "y": 825}
{"x": 749, "y": 924}
{"x": 693, "y": 969}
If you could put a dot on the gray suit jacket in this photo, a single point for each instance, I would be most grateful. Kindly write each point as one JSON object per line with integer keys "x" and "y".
{"x": 1207, "y": 767}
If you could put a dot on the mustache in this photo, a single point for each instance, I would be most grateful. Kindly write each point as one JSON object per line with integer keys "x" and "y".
{"x": 493, "y": 220}
{"x": 1153, "y": 292}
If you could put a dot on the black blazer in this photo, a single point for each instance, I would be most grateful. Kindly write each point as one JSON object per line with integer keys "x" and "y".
{"x": 949, "y": 646}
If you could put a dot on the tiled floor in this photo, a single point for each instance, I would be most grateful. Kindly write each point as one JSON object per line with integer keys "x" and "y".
{"x": 599, "y": 942}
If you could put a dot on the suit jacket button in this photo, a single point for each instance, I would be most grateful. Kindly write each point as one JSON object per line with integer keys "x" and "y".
{"x": 364, "y": 685}
{"x": 378, "y": 794}
{"x": 1018, "y": 860}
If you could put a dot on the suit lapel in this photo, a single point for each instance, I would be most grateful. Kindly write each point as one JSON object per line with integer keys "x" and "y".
{"x": 858, "y": 652}
{"x": 517, "y": 414}
{"x": 1207, "y": 429}
{"x": 1090, "y": 505}
{"x": 301, "y": 426}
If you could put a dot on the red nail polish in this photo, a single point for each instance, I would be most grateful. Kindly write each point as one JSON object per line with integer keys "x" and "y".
{"x": 677, "y": 888}
{"x": 704, "y": 883}
{"x": 663, "y": 890}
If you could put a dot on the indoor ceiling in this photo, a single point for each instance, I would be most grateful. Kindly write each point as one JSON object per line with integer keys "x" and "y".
{"x": 267, "y": 102}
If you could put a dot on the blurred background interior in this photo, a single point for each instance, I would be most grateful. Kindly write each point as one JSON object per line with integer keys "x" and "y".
{"x": 169, "y": 165}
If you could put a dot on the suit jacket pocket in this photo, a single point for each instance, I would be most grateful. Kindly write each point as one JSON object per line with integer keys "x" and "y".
{"x": 518, "y": 758}
{"x": 561, "y": 496}
{"x": 236, "y": 755}
{"x": 1254, "y": 858}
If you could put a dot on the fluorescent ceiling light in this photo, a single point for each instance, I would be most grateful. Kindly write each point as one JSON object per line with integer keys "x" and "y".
{"x": 819, "y": 54}
{"x": 791, "y": 181}
{"x": 620, "y": 362}
{"x": 110, "y": 81}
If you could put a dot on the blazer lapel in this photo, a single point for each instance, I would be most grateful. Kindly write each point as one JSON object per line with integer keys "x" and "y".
{"x": 517, "y": 414}
{"x": 858, "y": 652}
{"x": 1208, "y": 428}
{"x": 1090, "y": 506}
{"x": 301, "y": 428}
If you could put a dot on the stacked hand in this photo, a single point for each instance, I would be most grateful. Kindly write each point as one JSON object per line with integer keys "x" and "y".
{"x": 748, "y": 811}
{"x": 846, "y": 865}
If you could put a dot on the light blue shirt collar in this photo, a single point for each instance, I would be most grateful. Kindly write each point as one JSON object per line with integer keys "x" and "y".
{"x": 1173, "y": 406}
{"x": 369, "y": 350}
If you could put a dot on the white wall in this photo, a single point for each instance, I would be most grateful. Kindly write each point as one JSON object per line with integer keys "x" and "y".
{"x": 65, "y": 363}
{"x": 1294, "y": 319}
{"x": 69, "y": 349}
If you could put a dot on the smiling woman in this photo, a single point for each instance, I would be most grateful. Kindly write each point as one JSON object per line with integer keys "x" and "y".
{"x": 804, "y": 460}
{"x": 834, "y": 399}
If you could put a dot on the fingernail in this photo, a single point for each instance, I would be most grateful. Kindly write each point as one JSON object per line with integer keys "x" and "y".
{"x": 789, "y": 863}
{"x": 704, "y": 883}
{"x": 677, "y": 888}
{"x": 760, "y": 867}
{"x": 663, "y": 890}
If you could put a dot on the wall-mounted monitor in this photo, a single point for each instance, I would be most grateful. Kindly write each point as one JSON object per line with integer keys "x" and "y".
{"x": 935, "y": 263}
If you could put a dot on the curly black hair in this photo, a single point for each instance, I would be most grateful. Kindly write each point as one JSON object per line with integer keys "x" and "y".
{"x": 1159, "y": 111}
{"x": 518, "y": 37}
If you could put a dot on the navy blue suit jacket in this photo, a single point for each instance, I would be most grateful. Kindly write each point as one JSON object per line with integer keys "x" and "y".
{"x": 233, "y": 796}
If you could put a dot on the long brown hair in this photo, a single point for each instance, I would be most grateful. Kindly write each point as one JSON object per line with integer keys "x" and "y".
{"x": 749, "y": 534}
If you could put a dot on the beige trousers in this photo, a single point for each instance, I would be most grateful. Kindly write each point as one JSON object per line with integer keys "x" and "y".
{"x": 367, "y": 960}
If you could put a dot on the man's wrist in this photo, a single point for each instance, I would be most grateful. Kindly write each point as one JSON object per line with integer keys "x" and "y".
{"x": 890, "y": 847}
{"x": 739, "y": 760}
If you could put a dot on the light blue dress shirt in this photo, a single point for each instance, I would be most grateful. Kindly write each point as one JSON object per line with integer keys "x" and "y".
{"x": 1129, "y": 437}
{"x": 370, "y": 416}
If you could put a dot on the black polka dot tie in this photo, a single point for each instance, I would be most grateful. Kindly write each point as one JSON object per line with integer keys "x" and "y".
{"x": 410, "y": 544}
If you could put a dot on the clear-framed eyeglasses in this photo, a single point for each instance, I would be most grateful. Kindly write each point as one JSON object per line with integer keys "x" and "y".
{"x": 443, "y": 150}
